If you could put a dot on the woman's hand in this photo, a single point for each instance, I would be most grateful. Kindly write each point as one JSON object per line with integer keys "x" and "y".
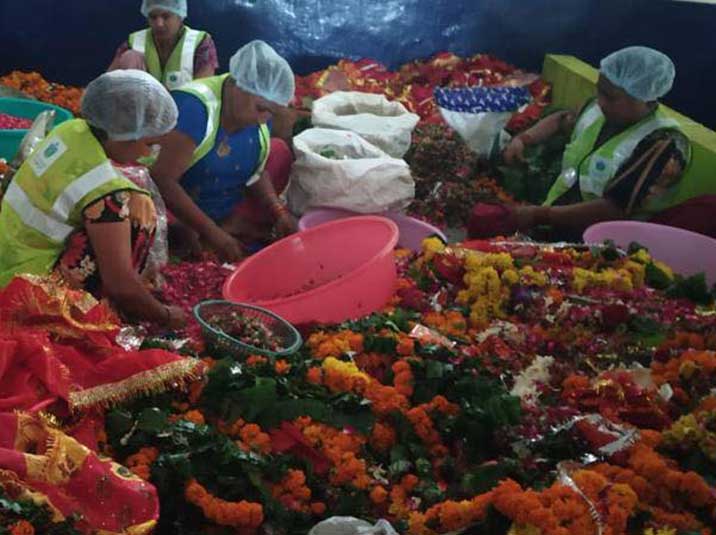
{"x": 286, "y": 223}
{"x": 112, "y": 245}
{"x": 175, "y": 318}
{"x": 514, "y": 152}
{"x": 226, "y": 246}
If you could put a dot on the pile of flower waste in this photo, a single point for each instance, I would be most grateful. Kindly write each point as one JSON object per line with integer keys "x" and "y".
{"x": 507, "y": 388}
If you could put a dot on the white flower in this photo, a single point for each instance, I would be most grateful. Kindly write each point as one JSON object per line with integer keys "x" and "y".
{"x": 536, "y": 374}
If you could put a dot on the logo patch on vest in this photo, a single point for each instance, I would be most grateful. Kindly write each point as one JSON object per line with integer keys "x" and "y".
{"x": 600, "y": 168}
{"x": 176, "y": 79}
{"x": 42, "y": 160}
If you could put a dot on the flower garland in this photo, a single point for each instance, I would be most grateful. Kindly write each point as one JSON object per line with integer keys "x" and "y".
{"x": 450, "y": 515}
{"x": 251, "y": 437}
{"x": 658, "y": 485}
{"x": 141, "y": 462}
{"x": 241, "y": 514}
{"x": 293, "y": 493}
{"x": 342, "y": 450}
{"x": 423, "y": 425}
{"x": 403, "y": 377}
{"x": 383, "y": 437}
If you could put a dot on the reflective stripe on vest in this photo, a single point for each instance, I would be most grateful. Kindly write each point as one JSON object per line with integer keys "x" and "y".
{"x": 73, "y": 194}
{"x": 138, "y": 41}
{"x": 591, "y": 115}
{"x": 191, "y": 41}
{"x": 213, "y": 110}
{"x": 34, "y": 218}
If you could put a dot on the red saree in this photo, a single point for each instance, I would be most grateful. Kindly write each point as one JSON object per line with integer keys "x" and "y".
{"x": 58, "y": 344}
{"x": 41, "y": 464}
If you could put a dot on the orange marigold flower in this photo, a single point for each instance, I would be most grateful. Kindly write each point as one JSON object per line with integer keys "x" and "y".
{"x": 282, "y": 367}
{"x": 195, "y": 390}
{"x": 241, "y": 514}
{"x": 409, "y": 482}
{"x": 406, "y": 346}
{"x": 318, "y": 508}
{"x": 382, "y": 437}
{"x": 143, "y": 471}
{"x": 314, "y": 376}
{"x": 378, "y": 495}
{"x": 256, "y": 360}
{"x": 22, "y": 527}
{"x": 195, "y": 417}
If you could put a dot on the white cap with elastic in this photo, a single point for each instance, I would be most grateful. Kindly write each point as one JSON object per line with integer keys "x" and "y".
{"x": 178, "y": 7}
{"x": 644, "y": 73}
{"x": 129, "y": 105}
{"x": 259, "y": 70}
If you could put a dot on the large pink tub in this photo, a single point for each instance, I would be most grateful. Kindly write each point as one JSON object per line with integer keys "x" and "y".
{"x": 333, "y": 272}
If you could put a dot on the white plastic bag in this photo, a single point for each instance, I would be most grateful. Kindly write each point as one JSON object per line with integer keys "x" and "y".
{"x": 339, "y": 169}
{"x": 479, "y": 114}
{"x": 347, "y": 525}
{"x": 386, "y": 124}
{"x": 159, "y": 252}
{"x": 480, "y": 131}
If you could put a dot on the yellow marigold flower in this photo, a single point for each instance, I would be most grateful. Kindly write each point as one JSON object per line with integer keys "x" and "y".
{"x": 463, "y": 297}
{"x": 531, "y": 277}
{"x": 665, "y": 269}
{"x": 638, "y": 273}
{"x": 432, "y": 246}
{"x": 344, "y": 368}
{"x": 685, "y": 429}
{"x": 642, "y": 256}
{"x": 510, "y": 277}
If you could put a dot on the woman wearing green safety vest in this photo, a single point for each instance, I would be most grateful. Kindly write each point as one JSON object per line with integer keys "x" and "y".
{"x": 221, "y": 154}
{"x": 69, "y": 213}
{"x": 168, "y": 50}
{"x": 626, "y": 158}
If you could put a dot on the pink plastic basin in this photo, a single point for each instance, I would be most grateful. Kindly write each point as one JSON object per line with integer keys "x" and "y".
{"x": 340, "y": 270}
{"x": 687, "y": 253}
{"x": 412, "y": 231}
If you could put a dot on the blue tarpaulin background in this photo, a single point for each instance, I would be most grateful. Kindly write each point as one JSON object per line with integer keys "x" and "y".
{"x": 72, "y": 41}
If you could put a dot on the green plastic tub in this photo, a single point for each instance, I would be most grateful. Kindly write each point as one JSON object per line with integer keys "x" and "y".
{"x": 10, "y": 139}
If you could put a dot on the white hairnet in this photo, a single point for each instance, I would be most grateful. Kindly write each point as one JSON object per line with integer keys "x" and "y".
{"x": 178, "y": 7}
{"x": 259, "y": 70}
{"x": 646, "y": 74}
{"x": 129, "y": 105}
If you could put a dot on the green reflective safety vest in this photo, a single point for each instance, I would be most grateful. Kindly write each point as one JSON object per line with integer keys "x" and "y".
{"x": 179, "y": 69}
{"x": 594, "y": 167}
{"x": 209, "y": 91}
{"x": 44, "y": 202}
